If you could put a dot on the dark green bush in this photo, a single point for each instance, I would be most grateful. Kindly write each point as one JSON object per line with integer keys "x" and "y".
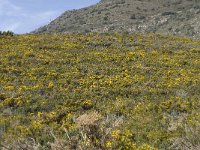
{"x": 6, "y": 33}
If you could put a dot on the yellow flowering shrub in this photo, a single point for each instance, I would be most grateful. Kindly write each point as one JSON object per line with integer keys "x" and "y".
{"x": 146, "y": 88}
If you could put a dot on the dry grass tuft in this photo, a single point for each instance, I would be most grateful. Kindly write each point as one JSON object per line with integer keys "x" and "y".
{"x": 88, "y": 119}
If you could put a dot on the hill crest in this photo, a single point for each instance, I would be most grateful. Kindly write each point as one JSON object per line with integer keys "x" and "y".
{"x": 177, "y": 17}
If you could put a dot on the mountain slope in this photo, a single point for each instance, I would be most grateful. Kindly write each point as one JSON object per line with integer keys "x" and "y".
{"x": 179, "y": 17}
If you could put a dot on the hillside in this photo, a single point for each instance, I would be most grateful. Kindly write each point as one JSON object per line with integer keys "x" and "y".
{"x": 178, "y": 17}
{"x": 99, "y": 91}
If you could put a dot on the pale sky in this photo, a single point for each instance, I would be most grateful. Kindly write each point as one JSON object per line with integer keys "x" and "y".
{"x": 23, "y": 16}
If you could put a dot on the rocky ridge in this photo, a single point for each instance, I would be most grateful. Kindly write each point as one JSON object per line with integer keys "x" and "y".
{"x": 177, "y": 17}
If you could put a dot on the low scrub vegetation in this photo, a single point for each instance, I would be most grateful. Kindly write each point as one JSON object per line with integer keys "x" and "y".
{"x": 6, "y": 33}
{"x": 99, "y": 91}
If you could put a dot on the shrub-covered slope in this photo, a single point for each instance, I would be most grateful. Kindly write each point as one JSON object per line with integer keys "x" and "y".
{"x": 99, "y": 91}
{"x": 178, "y": 17}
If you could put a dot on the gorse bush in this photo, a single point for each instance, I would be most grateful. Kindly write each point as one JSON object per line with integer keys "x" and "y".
{"x": 99, "y": 91}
